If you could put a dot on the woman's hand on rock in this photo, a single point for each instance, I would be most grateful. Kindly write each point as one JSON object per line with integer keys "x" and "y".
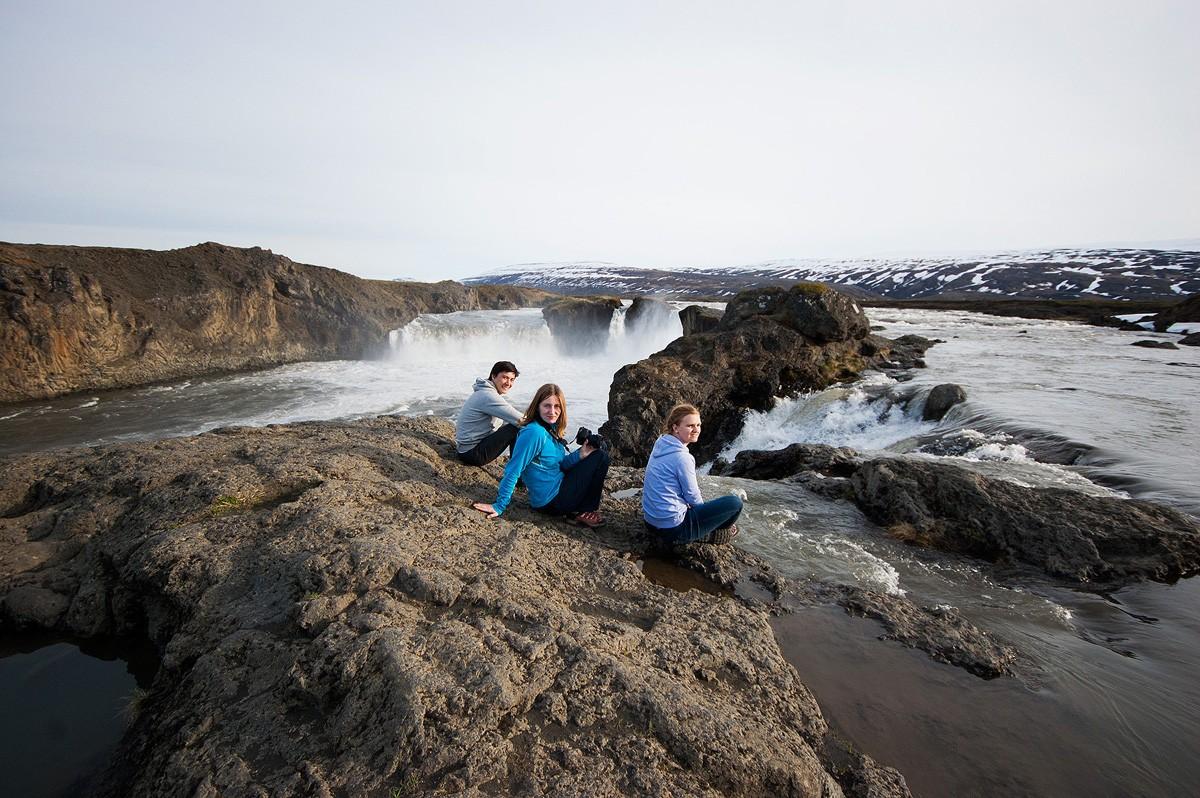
{"x": 486, "y": 509}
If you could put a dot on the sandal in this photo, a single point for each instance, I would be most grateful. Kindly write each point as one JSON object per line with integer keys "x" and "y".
{"x": 591, "y": 519}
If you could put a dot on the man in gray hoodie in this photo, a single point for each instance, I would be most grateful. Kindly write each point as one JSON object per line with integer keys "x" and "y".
{"x": 479, "y": 441}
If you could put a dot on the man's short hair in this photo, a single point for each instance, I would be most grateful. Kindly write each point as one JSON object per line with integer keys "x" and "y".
{"x": 501, "y": 367}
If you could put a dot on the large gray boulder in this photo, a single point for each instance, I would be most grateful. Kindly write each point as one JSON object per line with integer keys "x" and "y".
{"x": 940, "y": 399}
{"x": 770, "y": 343}
{"x": 1064, "y": 532}
{"x": 812, "y": 309}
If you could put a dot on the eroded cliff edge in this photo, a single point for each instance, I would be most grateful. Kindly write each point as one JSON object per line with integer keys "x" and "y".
{"x": 86, "y": 318}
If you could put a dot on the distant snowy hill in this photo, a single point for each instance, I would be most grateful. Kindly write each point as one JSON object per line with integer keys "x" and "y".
{"x": 1046, "y": 274}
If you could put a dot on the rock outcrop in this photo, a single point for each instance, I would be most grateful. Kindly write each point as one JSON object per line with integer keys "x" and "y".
{"x": 86, "y": 318}
{"x": 834, "y": 461}
{"x": 1190, "y": 340}
{"x": 1064, "y": 532}
{"x": 1148, "y": 344}
{"x": 647, "y": 313}
{"x": 940, "y": 399}
{"x": 770, "y": 342}
{"x": 1187, "y": 311}
{"x": 335, "y": 620}
{"x": 948, "y": 507}
{"x": 580, "y": 326}
{"x": 697, "y": 318}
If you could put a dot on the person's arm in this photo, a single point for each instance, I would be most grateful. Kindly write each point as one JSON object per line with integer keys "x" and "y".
{"x": 524, "y": 450}
{"x": 689, "y": 489}
{"x": 498, "y": 407}
{"x": 568, "y": 462}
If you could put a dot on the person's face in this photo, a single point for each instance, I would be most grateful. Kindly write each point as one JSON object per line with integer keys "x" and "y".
{"x": 504, "y": 381}
{"x": 688, "y": 428}
{"x": 550, "y": 409}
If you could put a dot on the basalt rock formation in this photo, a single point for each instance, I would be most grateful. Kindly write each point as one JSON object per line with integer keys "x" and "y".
{"x": 647, "y": 313}
{"x": 334, "y": 619}
{"x": 1066, "y": 533}
{"x": 697, "y": 318}
{"x": 940, "y": 399}
{"x": 84, "y": 318}
{"x": 770, "y": 342}
{"x": 580, "y": 326}
{"x": 1187, "y": 311}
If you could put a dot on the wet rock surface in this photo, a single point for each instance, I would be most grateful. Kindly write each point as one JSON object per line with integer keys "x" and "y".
{"x": 1068, "y": 534}
{"x": 771, "y": 342}
{"x": 1155, "y": 344}
{"x": 1192, "y": 339}
{"x": 1065, "y": 533}
{"x": 82, "y": 318}
{"x": 335, "y": 620}
{"x": 838, "y": 461}
{"x": 579, "y": 325}
{"x": 697, "y": 318}
{"x": 941, "y": 398}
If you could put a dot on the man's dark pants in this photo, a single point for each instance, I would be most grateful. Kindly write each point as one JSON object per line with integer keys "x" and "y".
{"x": 491, "y": 447}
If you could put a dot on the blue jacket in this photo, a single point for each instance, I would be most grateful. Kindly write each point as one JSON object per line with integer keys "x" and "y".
{"x": 670, "y": 487}
{"x": 538, "y": 460}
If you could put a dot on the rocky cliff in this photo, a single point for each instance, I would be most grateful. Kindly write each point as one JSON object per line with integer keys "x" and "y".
{"x": 334, "y": 619}
{"x": 76, "y": 318}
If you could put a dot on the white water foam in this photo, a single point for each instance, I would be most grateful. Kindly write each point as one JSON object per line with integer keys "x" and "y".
{"x": 861, "y": 416}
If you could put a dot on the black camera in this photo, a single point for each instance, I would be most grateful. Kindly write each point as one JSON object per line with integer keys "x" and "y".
{"x": 593, "y": 439}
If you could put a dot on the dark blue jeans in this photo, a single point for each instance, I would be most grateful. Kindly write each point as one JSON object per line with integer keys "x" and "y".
{"x": 703, "y": 519}
{"x": 581, "y": 486}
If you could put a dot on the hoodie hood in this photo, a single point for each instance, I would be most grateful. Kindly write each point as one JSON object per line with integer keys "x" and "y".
{"x": 667, "y": 444}
{"x": 484, "y": 385}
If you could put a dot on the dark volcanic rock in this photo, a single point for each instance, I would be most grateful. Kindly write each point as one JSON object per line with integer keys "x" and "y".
{"x": 76, "y": 318}
{"x": 1155, "y": 344}
{"x": 697, "y": 318}
{"x": 811, "y": 309}
{"x": 1066, "y": 533}
{"x": 770, "y": 343}
{"x": 780, "y": 463}
{"x": 941, "y": 399}
{"x": 1191, "y": 340}
{"x": 580, "y": 325}
{"x": 1185, "y": 312}
{"x": 335, "y": 620}
{"x": 646, "y": 313}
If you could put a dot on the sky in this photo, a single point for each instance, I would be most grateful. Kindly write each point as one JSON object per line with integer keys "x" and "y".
{"x": 444, "y": 139}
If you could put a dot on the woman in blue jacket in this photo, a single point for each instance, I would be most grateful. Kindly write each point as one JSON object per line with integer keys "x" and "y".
{"x": 558, "y": 483}
{"x": 671, "y": 502}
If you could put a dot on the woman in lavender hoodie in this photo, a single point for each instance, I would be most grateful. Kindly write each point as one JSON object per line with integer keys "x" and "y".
{"x": 671, "y": 500}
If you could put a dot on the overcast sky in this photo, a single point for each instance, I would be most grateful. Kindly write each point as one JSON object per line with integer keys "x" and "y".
{"x": 444, "y": 139}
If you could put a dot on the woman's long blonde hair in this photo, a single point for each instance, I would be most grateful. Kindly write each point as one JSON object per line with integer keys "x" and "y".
{"x": 531, "y": 413}
{"x": 676, "y": 415}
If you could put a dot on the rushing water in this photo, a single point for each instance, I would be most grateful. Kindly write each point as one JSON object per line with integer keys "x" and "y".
{"x": 1109, "y": 704}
